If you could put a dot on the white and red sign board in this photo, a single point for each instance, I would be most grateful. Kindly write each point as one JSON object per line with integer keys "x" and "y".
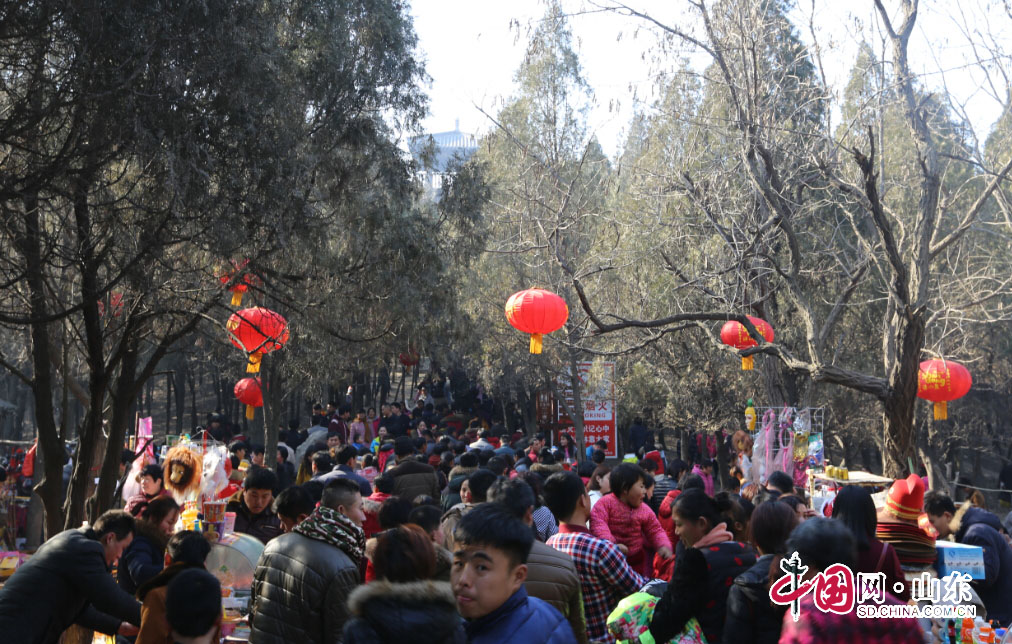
{"x": 599, "y": 419}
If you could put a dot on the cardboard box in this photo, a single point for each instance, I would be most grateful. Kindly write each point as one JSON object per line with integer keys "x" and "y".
{"x": 957, "y": 557}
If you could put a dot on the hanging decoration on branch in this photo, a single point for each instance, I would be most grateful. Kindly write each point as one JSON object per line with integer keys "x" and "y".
{"x": 734, "y": 334}
{"x": 241, "y": 284}
{"x": 249, "y": 393}
{"x": 257, "y": 331}
{"x": 941, "y": 381}
{"x": 409, "y": 358}
{"x": 536, "y": 311}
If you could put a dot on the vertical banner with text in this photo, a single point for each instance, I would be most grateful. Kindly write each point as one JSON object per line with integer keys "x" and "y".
{"x": 597, "y": 391}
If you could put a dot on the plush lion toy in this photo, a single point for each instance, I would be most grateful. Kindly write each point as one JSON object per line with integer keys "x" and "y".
{"x": 182, "y": 473}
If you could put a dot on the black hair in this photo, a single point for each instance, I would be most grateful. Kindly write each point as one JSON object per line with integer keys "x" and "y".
{"x": 152, "y": 470}
{"x": 283, "y": 450}
{"x": 546, "y": 457}
{"x": 822, "y": 542}
{"x": 394, "y": 512}
{"x": 563, "y": 490}
{"x": 937, "y": 504}
{"x": 257, "y": 449}
{"x": 322, "y": 462}
{"x": 484, "y": 456}
{"x": 479, "y": 482}
{"x": 515, "y": 494}
{"x": 854, "y": 507}
{"x": 733, "y": 511}
{"x": 159, "y": 508}
{"x": 294, "y": 501}
{"x": 347, "y": 453}
{"x": 118, "y": 522}
{"x": 260, "y": 478}
{"x": 314, "y": 489}
{"x": 384, "y": 484}
{"x": 648, "y": 465}
{"x": 193, "y": 602}
{"x": 339, "y": 491}
{"x": 781, "y": 481}
{"x": 470, "y": 459}
{"x": 692, "y": 482}
{"x": 426, "y": 516}
{"x": 492, "y": 524}
{"x": 770, "y": 527}
{"x": 793, "y": 500}
{"x": 597, "y": 457}
{"x": 235, "y": 446}
{"x": 676, "y": 469}
{"x": 624, "y": 477}
{"x": 649, "y": 481}
{"x": 403, "y": 446}
{"x": 497, "y": 465}
{"x": 188, "y": 547}
{"x": 694, "y": 504}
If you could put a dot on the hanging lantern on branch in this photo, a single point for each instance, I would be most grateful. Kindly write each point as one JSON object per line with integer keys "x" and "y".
{"x": 734, "y": 334}
{"x": 248, "y": 392}
{"x": 941, "y": 381}
{"x": 410, "y": 358}
{"x": 240, "y": 285}
{"x": 257, "y": 331}
{"x": 536, "y": 311}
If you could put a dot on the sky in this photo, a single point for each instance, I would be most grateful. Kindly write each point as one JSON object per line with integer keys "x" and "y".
{"x": 473, "y": 48}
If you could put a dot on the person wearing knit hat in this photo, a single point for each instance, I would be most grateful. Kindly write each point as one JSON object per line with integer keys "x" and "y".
{"x": 897, "y": 524}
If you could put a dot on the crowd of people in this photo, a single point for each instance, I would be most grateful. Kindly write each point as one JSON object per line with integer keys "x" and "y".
{"x": 387, "y": 527}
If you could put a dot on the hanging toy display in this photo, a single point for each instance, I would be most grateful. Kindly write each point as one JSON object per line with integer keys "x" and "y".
{"x": 784, "y": 459}
{"x": 182, "y": 473}
{"x": 750, "y": 416}
{"x": 764, "y": 449}
{"x": 802, "y": 432}
{"x": 742, "y": 442}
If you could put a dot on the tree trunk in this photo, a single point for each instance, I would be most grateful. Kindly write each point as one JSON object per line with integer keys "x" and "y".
{"x": 50, "y": 489}
{"x": 900, "y": 403}
{"x": 120, "y": 421}
{"x": 684, "y": 439}
{"x": 81, "y": 481}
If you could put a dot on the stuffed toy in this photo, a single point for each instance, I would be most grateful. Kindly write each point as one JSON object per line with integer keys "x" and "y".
{"x": 742, "y": 443}
{"x": 183, "y": 470}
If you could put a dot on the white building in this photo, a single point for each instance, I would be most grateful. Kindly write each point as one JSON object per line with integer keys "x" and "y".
{"x": 445, "y": 146}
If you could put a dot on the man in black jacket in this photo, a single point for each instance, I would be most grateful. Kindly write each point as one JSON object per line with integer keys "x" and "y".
{"x": 253, "y": 514}
{"x": 68, "y": 582}
{"x": 303, "y": 579}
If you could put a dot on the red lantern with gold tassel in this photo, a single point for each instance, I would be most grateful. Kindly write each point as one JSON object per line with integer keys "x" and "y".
{"x": 941, "y": 381}
{"x": 249, "y": 393}
{"x": 257, "y": 331}
{"x": 240, "y": 285}
{"x": 536, "y": 311}
{"x": 734, "y": 334}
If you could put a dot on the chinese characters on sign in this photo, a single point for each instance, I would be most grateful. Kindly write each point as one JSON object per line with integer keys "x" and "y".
{"x": 835, "y": 590}
{"x": 599, "y": 421}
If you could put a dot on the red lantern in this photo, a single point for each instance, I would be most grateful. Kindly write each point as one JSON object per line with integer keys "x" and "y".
{"x": 249, "y": 393}
{"x": 242, "y": 284}
{"x": 410, "y": 358}
{"x": 257, "y": 331}
{"x": 941, "y": 381}
{"x": 734, "y": 334}
{"x": 536, "y": 311}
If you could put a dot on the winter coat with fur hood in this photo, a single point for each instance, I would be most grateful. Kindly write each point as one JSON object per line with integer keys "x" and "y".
{"x": 420, "y": 612}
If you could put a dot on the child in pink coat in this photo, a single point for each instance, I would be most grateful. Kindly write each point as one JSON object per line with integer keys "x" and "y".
{"x": 623, "y": 518}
